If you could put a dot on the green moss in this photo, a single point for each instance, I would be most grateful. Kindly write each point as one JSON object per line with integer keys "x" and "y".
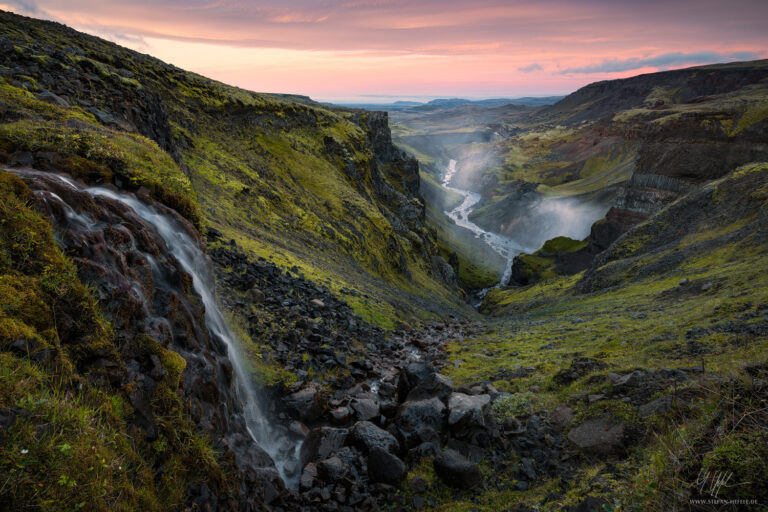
{"x": 514, "y": 405}
{"x": 751, "y": 116}
{"x": 71, "y": 446}
{"x": 132, "y": 158}
{"x": 562, "y": 244}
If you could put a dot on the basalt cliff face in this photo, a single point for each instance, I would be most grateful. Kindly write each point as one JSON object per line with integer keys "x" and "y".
{"x": 683, "y": 128}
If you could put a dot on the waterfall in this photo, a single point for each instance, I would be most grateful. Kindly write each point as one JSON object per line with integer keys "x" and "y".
{"x": 283, "y": 451}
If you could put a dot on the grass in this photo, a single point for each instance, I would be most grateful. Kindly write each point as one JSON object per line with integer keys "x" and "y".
{"x": 90, "y": 152}
{"x": 278, "y": 173}
{"x": 72, "y": 445}
{"x": 693, "y": 312}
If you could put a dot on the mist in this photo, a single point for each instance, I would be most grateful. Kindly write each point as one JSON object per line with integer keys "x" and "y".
{"x": 552, "y": 217}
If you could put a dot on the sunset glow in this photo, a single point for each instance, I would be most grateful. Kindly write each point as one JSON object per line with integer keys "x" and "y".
{"x": 377, "y": 50}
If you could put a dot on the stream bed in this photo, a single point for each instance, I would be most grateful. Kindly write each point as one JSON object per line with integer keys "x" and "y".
{"x": 502, "y": 245}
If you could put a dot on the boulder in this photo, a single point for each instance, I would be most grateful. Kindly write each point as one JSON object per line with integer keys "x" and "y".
{"x": 322, "y": 442}
{"x": 658, "y": 406}
{"x": 383, "y": 467}
{"x": 298, "y": 429}
{"x": 341, "y": 415}
{"x": 427, "y": 449}
{"x": 421, "y": 414}
{"x": 466, "y": 410}
{"x": 629, "y": 380}
{"x": 256, "y": 296}
{"x": 308, "y": 476}
{"x": 580, "y": 366}
{"x": 49, "y": 97}
{"x": 332, "y": 469}
{"x": 365, "y": 436}
{"x": 365, "y": 409}
{"x": 308, "y": 403}
{"x": 419, "y": 380}
{"x": 435, "y": 385}
{"x": 599, "y": 436}
{"x": 562, "y": 415}
{"x": 457, "y": 471}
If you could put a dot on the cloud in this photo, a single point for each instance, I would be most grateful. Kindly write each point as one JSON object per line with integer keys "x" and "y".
{"x": 530, "y": 67}
{"x": 663, "y": 61}
{"x": 27, "y": 7}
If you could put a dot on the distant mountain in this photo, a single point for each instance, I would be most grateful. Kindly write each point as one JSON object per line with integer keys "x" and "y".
{"x": 655, "y": 90}
{"x": 449, "y": 103}
{"x": 491, "y": 103}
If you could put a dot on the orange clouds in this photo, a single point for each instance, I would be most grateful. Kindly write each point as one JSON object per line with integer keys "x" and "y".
{"x": 332, "y": 49}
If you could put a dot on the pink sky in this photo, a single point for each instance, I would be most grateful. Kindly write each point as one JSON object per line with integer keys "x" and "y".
{"x": 377, "y": 50}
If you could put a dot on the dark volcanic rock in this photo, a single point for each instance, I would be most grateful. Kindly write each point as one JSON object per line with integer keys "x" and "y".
{"x": 322, "y": 442}
{"x": 366, "y": 436}
{"x": 466, "y": 411}
{"x": 332, "y": 469}
{"x": 579, "y": 367}
{"x": 308, "y": 403}
{"x": 419, "y": 380}
{"x": 457, "y": 471}
{"x": 600, "y": 436}
{"x": 384, "y": 467}
{"x": 365, "y": 409}
{"x": 415, "y": 416}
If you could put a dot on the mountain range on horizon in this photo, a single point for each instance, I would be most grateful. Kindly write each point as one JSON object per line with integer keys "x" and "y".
{"x": 529, "y": 101}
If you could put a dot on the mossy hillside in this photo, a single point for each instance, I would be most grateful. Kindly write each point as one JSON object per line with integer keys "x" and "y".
{"x": 90, "y": 152}
{"x": 692, "y": 296}
{"x": 72, "y": 445}
{"x": 717, "y": 447}
{"x": 280, "y": 173}
{"x": 546, "y": 262}
{"x": 479, "y": 266}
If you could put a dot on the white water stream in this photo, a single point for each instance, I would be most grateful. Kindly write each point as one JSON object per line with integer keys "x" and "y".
{"x": 195, "y": 262}
{"x": 502, "y": 245}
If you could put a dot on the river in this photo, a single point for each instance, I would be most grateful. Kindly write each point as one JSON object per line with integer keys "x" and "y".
{"x": 502, "y": 245}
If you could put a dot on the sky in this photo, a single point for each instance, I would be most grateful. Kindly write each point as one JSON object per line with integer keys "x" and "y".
{"x": 376, "y": 51}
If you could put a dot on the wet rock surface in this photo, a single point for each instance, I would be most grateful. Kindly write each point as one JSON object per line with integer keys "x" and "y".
{"x": 153, "y": 308}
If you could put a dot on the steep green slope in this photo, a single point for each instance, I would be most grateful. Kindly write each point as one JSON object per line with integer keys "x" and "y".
{"x": 67, "y": 440}
{"x": 323, "y": 190}
{"x": 684, "y": 290}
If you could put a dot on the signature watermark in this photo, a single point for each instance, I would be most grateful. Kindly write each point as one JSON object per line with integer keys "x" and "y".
{"x": 708, "y": 482}
{"x": 711, "y": 483}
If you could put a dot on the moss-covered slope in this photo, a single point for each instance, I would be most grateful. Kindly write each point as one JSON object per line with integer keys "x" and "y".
{"x": 68, "y": 442}
{"x": 304, "y": 185}
{"x": 684, "y": 290}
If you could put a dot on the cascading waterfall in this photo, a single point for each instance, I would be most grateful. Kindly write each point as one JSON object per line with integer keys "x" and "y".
{"x": 192, "y": 259}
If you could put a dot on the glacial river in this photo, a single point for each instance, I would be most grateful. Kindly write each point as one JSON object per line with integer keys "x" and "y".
{"x": 504, "y": 246}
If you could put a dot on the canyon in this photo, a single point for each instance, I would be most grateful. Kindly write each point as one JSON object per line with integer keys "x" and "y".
{"x": 216, "y": 299}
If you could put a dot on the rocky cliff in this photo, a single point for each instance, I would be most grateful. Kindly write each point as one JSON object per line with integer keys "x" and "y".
{"x": 683, "y": 129}
{"x": 310, "y": 186}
